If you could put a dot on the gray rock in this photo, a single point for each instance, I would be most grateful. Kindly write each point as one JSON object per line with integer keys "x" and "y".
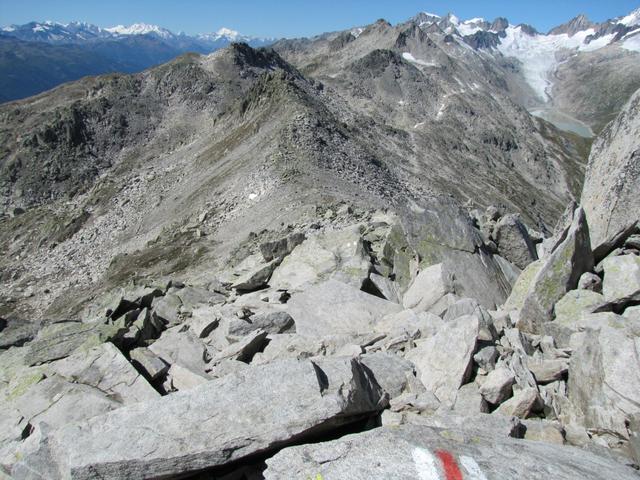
{"x": 15, "y": 333}
{"x": 62, "y": 339}
{"x": 410, "y": 452}
{"x": 509, "y": 270}
{"x": 480, "y": 424}
{"x": 604, "y": 375}
{"x": 517, "y": 359}
{"x": 633, "y": 242}
{"x": 106, "y": 369}
{"x": 245, "y": 349}
{"x": 272, "y": 322}
{"x": 281, "y": 248}
{"x": 497, "y": 386}
{"x": 577, "y": 303}
{"x": 547, "y": 371}
{"x": 544, "y": 431}
{"x": 183, "y": 348}
{"x": 429, "y": 286}
{"x": 621, "y": 279}
{"x": 293, "y": 346}
{"x": 204, "y": 320}
{"x": 486, "y": 358}
{"x": 559, "y": 274}
{"x": 444, "y": 361}
{"x": 423, "y": 403}
{"x": 336, "y": 254}
{"x": 469, "y": 401}
{"x": 180, "y": 378}
{"x": 149, "y": 325}
{"x": 634, "y": 437}
{"x": 386, "y": 287}
{"x": 166, "y": 310}
{"x": 514, "y": 242}
{"x": 522, "y": 286}
{"x": 469, "y": 306}
{"x": 590, "y": 281}
{"x": 192, "y": 297}
{"x": 253, "y": 274}
{"x": 522, "y": 404}
{"x": 632, "y": 313}
{"x": 610, "y": 192}
{"x": 148, "y": 362}
{"x": 303, "y": 398}
{"x": 614, "y": 243}
{"x": 466, "y": 306}
{"x": 334, "y": 307}
{"x": 391, "y": 372}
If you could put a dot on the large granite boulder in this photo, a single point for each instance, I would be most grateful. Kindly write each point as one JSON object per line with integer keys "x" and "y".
{"x": 621, "y": 279}
{"x": 611, "y": 192}
{"x": 444, "y": 361}
{"x": 62, "y": 339}
{"x": 514, "y": 242}
{"x": 221, "y": 421}
{"x": 604, "y": 375}
{"x": 338, "y": 254}
{"x": 559, "y": 274}
{"x": 411, "y": 452}
{"x": 334, "y": 307}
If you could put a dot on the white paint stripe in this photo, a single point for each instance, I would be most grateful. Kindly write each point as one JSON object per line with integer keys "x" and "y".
{"x": 472, "y": 468}
{"x": 425, "y": 464}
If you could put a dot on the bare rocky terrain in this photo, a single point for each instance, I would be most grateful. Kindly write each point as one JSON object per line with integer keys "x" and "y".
{"x": 351, "y": 256}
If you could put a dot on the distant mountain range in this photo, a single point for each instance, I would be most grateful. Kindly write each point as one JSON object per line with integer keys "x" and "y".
{"x": 539, "y": 53}
{"x": 38, "y": 56}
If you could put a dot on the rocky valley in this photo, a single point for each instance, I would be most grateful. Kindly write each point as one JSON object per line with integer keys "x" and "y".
{"x": 397, "y": 251}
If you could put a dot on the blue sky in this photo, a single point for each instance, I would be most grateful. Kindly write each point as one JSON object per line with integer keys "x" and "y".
{"x": 278, "y": 18}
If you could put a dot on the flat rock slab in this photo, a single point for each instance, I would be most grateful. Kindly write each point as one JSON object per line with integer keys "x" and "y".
{"x": 222, "y": 421}
{"x": 339, "y": 254}
{"x": 62, "y": 339}
{"x": 414, "y": 452}
{"x": 334, "y": 307}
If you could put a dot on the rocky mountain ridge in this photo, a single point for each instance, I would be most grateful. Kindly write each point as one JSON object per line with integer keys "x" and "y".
{"x": 356, "y": 254}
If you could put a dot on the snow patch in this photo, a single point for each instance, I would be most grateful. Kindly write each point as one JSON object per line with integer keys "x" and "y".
{"x": 253, "y": 196}
{"x": 632, "y": 44}
{"x": 632, "y": 19}
{"x": 468, "y": 29}
{"x": 356, "y": 32}
{"x": 410, "y": 58}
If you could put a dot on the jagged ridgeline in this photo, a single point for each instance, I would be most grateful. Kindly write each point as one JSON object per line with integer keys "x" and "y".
{"x": 355, "y": 255}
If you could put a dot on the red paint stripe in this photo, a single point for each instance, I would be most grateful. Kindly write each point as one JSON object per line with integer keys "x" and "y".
{"x": 450, "y": 466}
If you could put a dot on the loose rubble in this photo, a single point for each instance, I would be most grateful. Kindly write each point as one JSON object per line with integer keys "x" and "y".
{"x": 167, "y": 367}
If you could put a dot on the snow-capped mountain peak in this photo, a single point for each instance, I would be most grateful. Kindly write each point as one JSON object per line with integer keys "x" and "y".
{"x": 140, "y": 29}
{"x": 633, "y": 19}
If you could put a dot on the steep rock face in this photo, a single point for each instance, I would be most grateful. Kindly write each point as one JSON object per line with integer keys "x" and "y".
{"x": 611, "y": 194}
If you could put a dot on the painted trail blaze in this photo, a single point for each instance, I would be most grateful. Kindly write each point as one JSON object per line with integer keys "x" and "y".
{"x": 449, "y": 465}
